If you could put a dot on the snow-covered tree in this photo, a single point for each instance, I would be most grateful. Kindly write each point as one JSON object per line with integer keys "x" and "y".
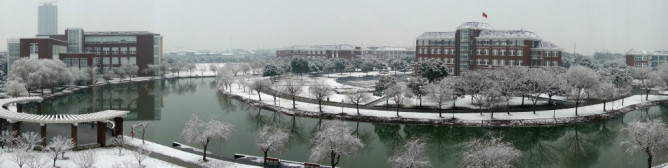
{"x": 556, "y": 85}
{"x": 271, "y": 139}
{"x": 16, "y": 88}
{"x": 21, "y": 157}
{"x": 334, "y": 141}
{"x": 59, "y": 145}
{"x": 653, "y": 81}
{"x": 399, "y": 96}
{"x": 7, "y": 138}
{"x": 225, "y": 78}
{"x": 535, "y": 84}
{"x": 108, "y": 74}
{"x": 190, "y": 67}
{"x": 140, "y": 154}
{"x": 581, "y": 79}
{"x": 271, "y": 71}
{"x": 213, "y": 68}
{"x": 417, "y": 86}
{"x": 411, "y": 155}
{"x": 320, "y": 90}
{"x": 129, "y": 70}
{"x": 433, "y": 70}
{"x": 245, "y": 67}
{"x": 358, "y": 97}
{"x": 203, "y": 133}
{"x": 257, "y": 65}
{"x": 35, "y": 161}
{"x": 259, "y": 85}
{"x": 490, "y": 97}
{"x": 663, "y": 73}
{"x": 119, "y": 142}
{"x": 643, "y": 75}
{"x": 384, "y": 82}
{"x": 299, "y": 65}
{"x": 605, "y": 91}
{"x": 474, "y": 82}
{"x": 650, "y": 137}
{"x": 85, "y": 159}
{"x": 491, "y": 152}
{"x": 439, "y": 93}
{"x": 292, "y": 87}
{"x": 142, "y": 126}
{"x": 79, "y": 77}
{"x": 28, "y": 140}
{"x": 91, "y": 72}
{"x": 164, "y": 68}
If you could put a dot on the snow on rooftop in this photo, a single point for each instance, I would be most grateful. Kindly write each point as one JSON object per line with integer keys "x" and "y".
{"x": 475, "y": 25}
{"x": 636, "y": 52}
{"x": 508, "y": 34}
{"x": 547, "y": 44}
{"x": 322, "y": 47}
{"x": 386, "y": 48}
{"x": 117, "y": 32}
{"x": 661, "y": 52}
{"x": 437, "y": 35}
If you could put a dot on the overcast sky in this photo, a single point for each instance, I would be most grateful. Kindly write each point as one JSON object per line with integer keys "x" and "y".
{"x": 615, "y": 25}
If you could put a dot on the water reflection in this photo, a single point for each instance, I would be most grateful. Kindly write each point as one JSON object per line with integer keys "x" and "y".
{"x": 168, "y": 103}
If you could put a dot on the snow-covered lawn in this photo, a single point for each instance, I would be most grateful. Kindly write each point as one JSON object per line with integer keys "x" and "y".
{"x": 471, "y": 117}
{"x": 184, "y": 156}
{"x": 104, "y": 157}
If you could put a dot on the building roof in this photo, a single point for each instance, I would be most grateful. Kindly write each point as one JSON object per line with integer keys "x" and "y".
{"x": 438, "y": 35}
{"x": 321, "y": 47}
{"x": 387, "y": 48}
{"x": 475, "y": 25}
{"x": 59, "y": 118}
{"x": 636, "y": 52}
{"x": 547, "y": 45}
{"x": 660, "y": 52}
{"x": 43, "y": 38}
{"x": 106, "y": 33}
{"x": 496, "y": 34}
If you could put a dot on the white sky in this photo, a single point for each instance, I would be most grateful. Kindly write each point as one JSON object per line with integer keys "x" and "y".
{"x": 601, "y": 25}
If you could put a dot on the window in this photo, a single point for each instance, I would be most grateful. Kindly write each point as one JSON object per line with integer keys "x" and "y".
{"x": 486, "y": 61}
{"x": 555, "y": 63}
{"x": 114, "y": 51}
{"x": 133, "y": 50}
{"x": 438, "y": 51}
{"x": 106, "y": 61}
{"x": 83, "y": 62}
{"x": 124, "y": 60}
{"x": 486, "y": 51}
{"x": 503, "y": 62}
{"x": 478, "y": 51}
{"x": 547, "y": 54}
{"x": 75, "y": 62}
{"x": 520, "y": 42}
{"x": 445, "y": 51}
{"x": 494, "y": 62}
{"x": 519, "y": 62}
{"x": 114, "y": 60}
{"x": 67, "y": 61}
{"x": 547, "y": 63}
{"x": 512, "y": 52}
{"x": 478, "y": 61}
{"x": 124, "y": 50}
{"x": 503, "y": 52}
{"x": 519, "y": 52}
{"x": 89, "y": 49}
{"x": 98, "y": 50}
{"x": 106, "y": 50}
{"x": 452, "y": 51}
{"x": 511, "y": 62}
{"x": 495, "y": 52}
{"x": 34, "y": 48}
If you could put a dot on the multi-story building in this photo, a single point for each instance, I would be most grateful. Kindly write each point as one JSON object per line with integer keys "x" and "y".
{"x": 13, "y": 51}
{"x": 642, "y": 58}
{"x": 344, "y": 51}
{"x": 47, "y": 19}
{"x": 106, "y": 50}
{"x": 476, "y": 45}
{"x": 326, "y": 51}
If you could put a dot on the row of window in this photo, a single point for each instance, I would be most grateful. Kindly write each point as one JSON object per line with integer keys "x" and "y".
{"x": 112, "y": 50}
{"x": 501, "y": 62}
{"x": 640, "y": 64}
{"x": 34, "y": 48}
{"x": 640, "y": 58}
{"x": 76, "y": 62}
{"x": 444, "y": 60}
{"x": 478, "y": 42}
{"x": 502, "y": 52}
{"x": 117, "y": 60}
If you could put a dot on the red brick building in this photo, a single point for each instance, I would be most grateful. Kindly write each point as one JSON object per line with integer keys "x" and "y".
{"x": 326, "y": 51}
{"x": 476, "y": 45}
{"x": 642, "y": 58}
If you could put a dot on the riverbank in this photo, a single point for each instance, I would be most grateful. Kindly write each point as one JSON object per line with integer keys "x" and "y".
{"x": 501, "y": 119}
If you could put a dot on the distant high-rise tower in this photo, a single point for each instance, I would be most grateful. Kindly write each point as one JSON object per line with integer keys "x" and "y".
{"x": 47, "y": 21}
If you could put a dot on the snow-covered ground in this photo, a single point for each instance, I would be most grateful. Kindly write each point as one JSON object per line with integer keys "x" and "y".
{"x": 104, "y": 157}
{"x": 471, "y": 117}
{"x": 184, "y": 156}
{"x": 336, "y": 96}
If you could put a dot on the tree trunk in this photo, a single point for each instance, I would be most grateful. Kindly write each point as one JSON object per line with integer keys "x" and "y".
{"x": 647, "y": 94}
{"x": 258, "y": 95}
{"x": 204, "y": 154}
{"x": 549, "y": 100}
{"x": 293, "y": 103}
{"x": 522, "y": 99}
{"x": 320, "y": 105}
{"x": 420, "y": 98}
{"x": 397, "y": 110}
{"x": 358, "y": 108}
{"x": 649, "y": 158}
{"x": 507, "y": 107}
{"x": 265, "y": 158}
{"x": 603, "y": 105}
{"x": 440, "y": 111}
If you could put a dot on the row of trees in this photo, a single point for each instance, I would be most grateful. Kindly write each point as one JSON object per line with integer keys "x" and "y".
{"x": 302, "y": 65}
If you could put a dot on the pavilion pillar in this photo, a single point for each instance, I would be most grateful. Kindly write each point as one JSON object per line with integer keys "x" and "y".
{"x": 39, "y": 108}
{"x": 43, "y": 133}
{"x": 19, "y": 107}
{"x": 101, "y": 133}
{"x": 118, "y": 129}
{"x": 74, "y": 134}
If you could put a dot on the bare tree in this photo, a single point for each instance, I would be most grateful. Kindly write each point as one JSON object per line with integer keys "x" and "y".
{"x": 119, "y": 142}
{"x": 37, "y": 162}
{"x": 142, "y": 126}
{"x": 85, "y": 159}
{"x": 271, "y": 139}
{"x": 439, "y": 93}
{"x": 649, "y": 137}
{"x": 190, "y": 67}
{"x": 140, "y": 154}
{"x": 213, "y": 68}
{"x": 581, "y": 79}
{"x": 28, "y": 140}
{"x": 198, "y": 131}
{"x": 59, "y": 145}
{"x": 292, "y": 87}
{"x": 21, "y": 157}
{"x": 412, "y": 154}
{"x": 319, "y": 90}
{"x": 15, "y": 88}
{"x": 334, "y": 141}
{"x": 234, "y": 68}
{"x": 260, "y": 84}
{"x": 225, "y": 79}
{"x": 358, "y": 97}
{"x": 245, "y": 68}
{"x": 490, "y": 153}
{"x": 399, "y": 96}
{"x": 7, "y": 138}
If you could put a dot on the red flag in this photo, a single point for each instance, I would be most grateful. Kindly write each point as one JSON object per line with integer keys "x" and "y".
{"x": 484, "y": 14}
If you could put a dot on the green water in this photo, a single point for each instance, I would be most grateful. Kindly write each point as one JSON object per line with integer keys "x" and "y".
{"x": 169, "y": 103}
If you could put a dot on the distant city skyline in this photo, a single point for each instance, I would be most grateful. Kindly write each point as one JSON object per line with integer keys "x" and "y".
{"x": 615, "y": 26}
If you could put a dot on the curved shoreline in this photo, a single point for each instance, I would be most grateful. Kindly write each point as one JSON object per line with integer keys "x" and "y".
{"x": 448, "y": 121}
